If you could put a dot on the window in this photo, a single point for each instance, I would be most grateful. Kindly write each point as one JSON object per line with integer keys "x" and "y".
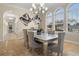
{"x": 73, "y": 18}
{"x": 49, "y": 21}
{"x": 49, "y": 17}
{"x": 59, "y": 19}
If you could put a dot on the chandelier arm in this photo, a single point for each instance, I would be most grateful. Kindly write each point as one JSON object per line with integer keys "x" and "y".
{"x": 36, "y": 9}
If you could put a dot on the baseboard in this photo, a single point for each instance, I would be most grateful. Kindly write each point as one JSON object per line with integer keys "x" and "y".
{"x": 73, "y": 42}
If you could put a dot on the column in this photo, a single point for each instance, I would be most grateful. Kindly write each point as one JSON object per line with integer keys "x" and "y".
{"x": 42, "y": 22}
{"x": 65, "y": 20}
{"x": 53, "y": 28}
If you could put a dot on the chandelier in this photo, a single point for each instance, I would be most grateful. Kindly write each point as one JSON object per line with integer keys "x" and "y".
{"x": 38, "y": 8}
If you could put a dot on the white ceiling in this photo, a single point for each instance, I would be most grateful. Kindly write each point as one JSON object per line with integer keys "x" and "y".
{"x": 29, "y": 5}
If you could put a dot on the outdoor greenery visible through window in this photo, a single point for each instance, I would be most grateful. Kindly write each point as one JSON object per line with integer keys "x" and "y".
{"x": 59, "y": 19}
{"x": 73, "y": 18}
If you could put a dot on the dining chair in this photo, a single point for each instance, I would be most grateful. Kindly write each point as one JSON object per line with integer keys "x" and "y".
{"x": 32, "y": 43}
{"x": 58, "y": 48}
{"x": 51, "y": 32}
{"x": 26, "y": 44}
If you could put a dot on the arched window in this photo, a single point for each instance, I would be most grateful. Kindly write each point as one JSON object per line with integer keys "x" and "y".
{"x": 59, "y": 19}
{"x": 49, "y": 21}
{"x": 73, "y": 17}
{"x": 49, "y": 17}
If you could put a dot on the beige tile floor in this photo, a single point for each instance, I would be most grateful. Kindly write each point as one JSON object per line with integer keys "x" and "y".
{"x": 15, "y": 47}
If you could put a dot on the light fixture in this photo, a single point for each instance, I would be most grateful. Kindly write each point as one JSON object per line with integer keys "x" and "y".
{"x": 38, "y": 8}
{"x": 33, "y": 5}
{"x": 43, "y": 11}
{"x": 31, "y": 9}
{"x": 41, "y": 4}
{"x": 46, "y": 8}
{"x": 36, "y": 12}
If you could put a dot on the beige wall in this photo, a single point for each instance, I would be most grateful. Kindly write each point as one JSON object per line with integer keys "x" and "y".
{"x": 1, "y": 28}
{"x": 18, "y": 12}
{"x": 72, "y": 37}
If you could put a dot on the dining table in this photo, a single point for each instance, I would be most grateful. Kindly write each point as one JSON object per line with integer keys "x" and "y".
{"x": 45, "y": 38}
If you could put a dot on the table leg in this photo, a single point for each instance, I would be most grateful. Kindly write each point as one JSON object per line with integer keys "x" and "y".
{"x": 45, "y": 48}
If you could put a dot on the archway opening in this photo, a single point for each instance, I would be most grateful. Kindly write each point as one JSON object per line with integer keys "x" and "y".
{"x": 8, "y": 22}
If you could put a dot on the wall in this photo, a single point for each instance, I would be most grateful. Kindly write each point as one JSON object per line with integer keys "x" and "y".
{"x": 18, "y": 12}
{"x": 1, "y": 28}
{"x": 72, "y": 38}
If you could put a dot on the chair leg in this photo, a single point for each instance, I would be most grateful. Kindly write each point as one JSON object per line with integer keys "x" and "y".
{"x": 50, "y": 53}
{"x": 53, "y": 53}
{"x": 58, "y": 53}
{"x": 24, "y": 45}
{"x": 27, "y": 46}
{"x": 32, "y": 51}
{"x": 61, "y": 53}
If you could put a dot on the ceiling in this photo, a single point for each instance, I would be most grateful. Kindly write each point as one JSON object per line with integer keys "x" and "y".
{"x": 29, "y": 5}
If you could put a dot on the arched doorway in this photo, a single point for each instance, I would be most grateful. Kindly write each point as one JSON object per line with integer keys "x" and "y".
{"x": 8, "y": 22}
